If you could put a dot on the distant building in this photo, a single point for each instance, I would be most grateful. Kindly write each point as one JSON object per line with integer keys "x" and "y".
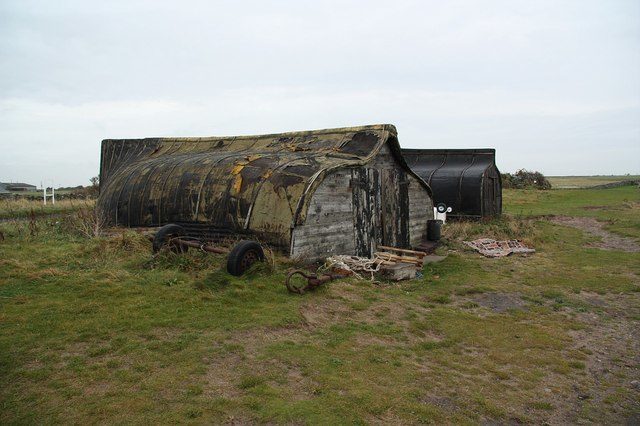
{"x": 3, "y": 189}
{"x": 18, "y": 187}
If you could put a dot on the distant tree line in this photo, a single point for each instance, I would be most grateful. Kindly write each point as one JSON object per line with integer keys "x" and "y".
{"x": 525, "y": 179}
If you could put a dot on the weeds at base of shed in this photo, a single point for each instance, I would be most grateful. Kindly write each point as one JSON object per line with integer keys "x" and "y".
{"x": 85, "y": 221}
{"x": 105, "y": 249}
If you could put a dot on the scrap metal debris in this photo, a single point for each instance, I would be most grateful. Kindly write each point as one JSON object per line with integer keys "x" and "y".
{"x": 492, "y": 248}
{"x": 313, "y": 280}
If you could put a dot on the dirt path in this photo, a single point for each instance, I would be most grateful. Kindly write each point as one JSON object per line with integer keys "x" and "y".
{"x": 590, "y": 225}
{"x": 610, "y": 343}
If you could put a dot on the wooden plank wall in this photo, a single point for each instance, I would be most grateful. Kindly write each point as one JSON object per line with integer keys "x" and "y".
{"x": 365, "y": 183}
{"x": 353, "y": 207}
{"x": 329, "y": 226}
{"x": 420, "y": 211}
{"x": 420, "y": 203}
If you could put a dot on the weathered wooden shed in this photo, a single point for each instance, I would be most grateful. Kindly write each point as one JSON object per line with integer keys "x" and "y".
{"x": 467, "y": 180}
{"x": 312, "y": 193}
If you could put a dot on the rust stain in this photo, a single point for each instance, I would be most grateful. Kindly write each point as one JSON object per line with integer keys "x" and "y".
{"x": 238, "y": 168}
{"x": 237, "y": 183}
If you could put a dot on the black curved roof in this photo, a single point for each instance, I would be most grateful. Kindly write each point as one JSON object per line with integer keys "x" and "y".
{"x": 455, "y": 175}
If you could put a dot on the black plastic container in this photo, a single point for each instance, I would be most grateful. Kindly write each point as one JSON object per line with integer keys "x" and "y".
{"x": 433, "y": 230}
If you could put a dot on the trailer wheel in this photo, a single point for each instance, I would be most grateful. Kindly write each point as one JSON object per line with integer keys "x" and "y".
{"x": 242, "y": 256}
{"x": 164, "y": 238}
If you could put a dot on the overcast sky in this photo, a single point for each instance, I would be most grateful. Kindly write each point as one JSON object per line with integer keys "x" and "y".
{"x": 552, "y": 85}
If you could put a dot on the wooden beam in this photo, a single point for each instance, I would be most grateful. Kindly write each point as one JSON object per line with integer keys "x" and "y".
{"x": 414, "y": 252}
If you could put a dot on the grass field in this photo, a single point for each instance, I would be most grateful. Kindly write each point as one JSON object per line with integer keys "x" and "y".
{"x": 12, "y": 208}
{"x": 99, "y": 331}
{"x": 565, "y": 182}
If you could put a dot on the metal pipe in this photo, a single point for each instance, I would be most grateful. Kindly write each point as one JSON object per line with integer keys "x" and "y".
{"x": 205, "y": 247}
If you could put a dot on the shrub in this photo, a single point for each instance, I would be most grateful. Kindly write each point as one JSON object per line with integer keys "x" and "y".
{"x": 525, "y": 179}
{"x": 85, "y": 221}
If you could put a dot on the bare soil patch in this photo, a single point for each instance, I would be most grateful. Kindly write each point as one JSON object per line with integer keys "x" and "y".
{"x": 610, "y": 344}
{"x": 591, "y": 226}
{"x": 500, "y": 302}
{"x": 221, "y": 378}
{"x": 243, "y": 356}
{"x": 343, "y": 305}
{"x": 330, "y": 311}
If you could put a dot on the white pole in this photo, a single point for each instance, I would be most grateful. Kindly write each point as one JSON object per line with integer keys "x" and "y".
{"x": 53, "y": 195}
{"x": 44, "y": 194}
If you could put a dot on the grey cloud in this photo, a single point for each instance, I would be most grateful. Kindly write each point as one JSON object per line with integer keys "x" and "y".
{"x": 526, "y": 77}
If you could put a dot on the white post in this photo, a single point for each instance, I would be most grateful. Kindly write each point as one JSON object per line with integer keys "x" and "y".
{"x": 45, "y": 194}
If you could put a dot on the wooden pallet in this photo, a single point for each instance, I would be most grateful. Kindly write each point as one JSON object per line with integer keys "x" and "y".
{"x": 400, "y": 264}
{"x": 398, "y": 255}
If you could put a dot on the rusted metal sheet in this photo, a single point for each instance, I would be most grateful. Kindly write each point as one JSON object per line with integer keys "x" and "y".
{"x": 260, "y": 184}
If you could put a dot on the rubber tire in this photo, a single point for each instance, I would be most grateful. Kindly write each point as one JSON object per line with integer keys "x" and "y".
{"x": 441, "y": 206}
{"x": 165, "y": 234}
{"x": 242, "y": 256}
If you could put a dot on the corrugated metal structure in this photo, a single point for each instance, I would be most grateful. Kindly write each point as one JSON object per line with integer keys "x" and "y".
{"x": 467, "y": 180}
{"x": 312, "y": 193}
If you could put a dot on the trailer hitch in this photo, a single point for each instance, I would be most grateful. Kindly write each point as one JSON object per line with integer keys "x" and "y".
{"x": 313, "y": 280}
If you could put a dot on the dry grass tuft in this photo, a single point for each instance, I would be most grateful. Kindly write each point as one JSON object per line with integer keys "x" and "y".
{"x": 46, "y": 273}
{"x": 127, "y": 241}
{"x": 11, "y": 208}
{"x": 86, "y": 221}
{"x": 503, "y": 228}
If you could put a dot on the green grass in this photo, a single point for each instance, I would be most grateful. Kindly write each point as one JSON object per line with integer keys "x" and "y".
{"x": 99, "y": 331}
{"x": 566, "y": 182}
{"x": 17, "y": 208}
{"x": 618, "y": 207}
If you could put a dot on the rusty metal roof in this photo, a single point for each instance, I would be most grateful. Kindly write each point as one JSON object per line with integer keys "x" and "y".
{"x": 258, "y": 183}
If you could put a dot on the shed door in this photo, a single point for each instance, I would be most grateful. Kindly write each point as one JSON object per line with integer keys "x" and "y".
{"x": 497, "y": 192}
{"x": 493, "y": 201}
{"x": 491, "y": 198}
{"x": 394, "y": 201}
{"x": 365, "y": 184}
